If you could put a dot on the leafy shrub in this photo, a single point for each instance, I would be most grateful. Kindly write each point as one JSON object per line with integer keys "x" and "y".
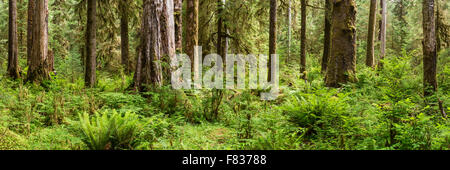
{"x": 309, "y": 110}
{"x": 156, "y": 127}
{"x": 110, "y": 130}
{"x": 322, "y": 115}
{"x": 122, "y": 102}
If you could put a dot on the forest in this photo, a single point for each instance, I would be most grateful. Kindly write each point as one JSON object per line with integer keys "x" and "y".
{"x": 99, "y": 75}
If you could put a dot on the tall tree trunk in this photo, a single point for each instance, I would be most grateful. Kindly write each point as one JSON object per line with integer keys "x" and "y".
{"x": 370, "y": 58}
{"x": 31, "y": 7}
{"x": 429, "y": 48}
{"x": 327, "y": 35}
{"x": 383, "y": 30}
{"x": 272, "y": 35}
{"x": 38, "y": 67}
{"x": 400, "y": 11}
{"x": 139, "y": 52}
{"x": 289, "y": 21}
{"x": 222, "y": 32}
{"x": 167, "y": 28}
{"x": 342, "y": 63}
{"x": 219, "y": 45}
{"x": 303, "y": 40}
{"x": 191, "y": 29}
{"x": 158, "y": 40}
{"x": 91, "y": 43}
{"x": 50, "y": 57}
{"x": 13, "y": 57}
{"x": 124, "y": 37}
{"x": 178, "y": 6}
{"x": 438, "y": 25}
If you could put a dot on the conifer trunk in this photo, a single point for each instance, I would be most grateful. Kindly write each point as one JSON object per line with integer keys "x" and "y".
{"x": 342, "y": 63}
{"x": 91, "y": 54}
{"x": 13, "y": 58}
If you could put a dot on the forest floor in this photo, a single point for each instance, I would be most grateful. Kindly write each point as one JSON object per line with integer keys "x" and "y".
{"x": 385, "y": 109}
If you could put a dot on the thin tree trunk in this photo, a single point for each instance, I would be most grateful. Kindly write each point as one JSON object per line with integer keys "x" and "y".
{"x": 38, "y": 67}
{"x": 178, "y": 6}
{"x": 222, "y": 31}
{"x": 303, "y": 40}
{"x": 13, "y": 58}
{"x": 429, "y": 48}
{"x": 370, "y": 58}
{"x": 342, "y": 63}
{"x": 327, "y": 35}
{"x": 219, "y": 46}
{"x": 50, "y": 60}
{"x": 91, "y": 55}
{"x": 383, "y": 30}
{"x": 139, "y": 52}
{"x": 124, "y": 37}
{"x": 272, "y": 35}
{"x": 191, "y": 29}
{"x": 289, "y": 21}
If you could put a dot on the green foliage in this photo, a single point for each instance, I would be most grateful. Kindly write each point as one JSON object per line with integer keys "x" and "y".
{"x": 110, "y": 130}
{"x": 384, "y": 110}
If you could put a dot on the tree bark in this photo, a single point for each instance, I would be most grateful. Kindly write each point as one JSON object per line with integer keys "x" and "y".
{"x": 31, "y": 7}
{"x": 178, "y": 6}
{"x": 303, "y": 40}
{"x": 219, "y": 27}
{"x": 139, "y": 53}
{"x": 222, "y": 32}
{"x": 13, "y": 55}
{"x": 327, "y": 35}
{"x": 167, "y": 28}
{"x": 124, "y": 37}
{"x": 38, "y": 67}
{"x": 383, "y": 30}
{"x": 191, "y": 29}
{"x": 370, "y": 58}
{"x": 342, "y": 63}
{"x": 289, "y": 21}
{"x": 154, "y": 42}
{"x": 91, "y": 54}
{"x": 272, "y": 35}
{"x": 50, "y": 61}
{"x": 429, "y": 48}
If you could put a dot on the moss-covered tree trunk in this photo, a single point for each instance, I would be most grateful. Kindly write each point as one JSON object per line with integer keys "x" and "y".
{"x": 191, "y": 29}
{"x": 342, "y": 63}
{"x": 158, "y": 41}
{"x": 383, "y": 31}
{"x": 303, "y": 40}
{"x": 370, "y": 56}
{"x": 178, "y": 6}
{"x": 429, "y": 48}
{"x": 167, "y": 29}
{"x": 91, "y": 54}
{"x": 222, "y": 32}
{"x": 327, "y": 35}
{"x": 13, "y": 52}
{"x": 124, "y": 37}
{"x": 38, "y": 67}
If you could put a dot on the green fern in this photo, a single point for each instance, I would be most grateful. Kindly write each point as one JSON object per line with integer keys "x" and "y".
{"x": 110, "y": 130}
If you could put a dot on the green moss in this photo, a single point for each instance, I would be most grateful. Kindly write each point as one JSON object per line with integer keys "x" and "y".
{"x": 11, "y": 141}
